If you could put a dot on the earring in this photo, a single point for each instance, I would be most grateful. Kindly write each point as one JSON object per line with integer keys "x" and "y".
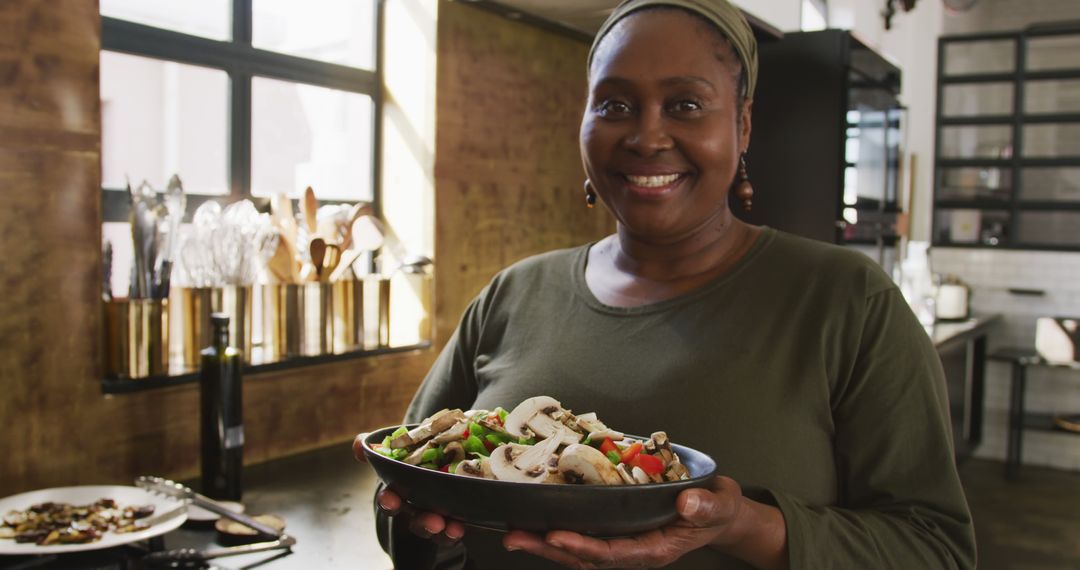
{"x": 590, "y": 194}
{"x": 744, "y": 191}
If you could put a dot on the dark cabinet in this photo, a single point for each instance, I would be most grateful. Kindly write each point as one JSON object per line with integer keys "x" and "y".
{"x": 824, "y": 155}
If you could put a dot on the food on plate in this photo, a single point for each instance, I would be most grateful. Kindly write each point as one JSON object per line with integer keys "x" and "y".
{"x": 538, "y": 442}
{"x": 62, "y": 523}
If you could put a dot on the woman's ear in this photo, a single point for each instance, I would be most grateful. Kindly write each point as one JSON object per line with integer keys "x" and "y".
{"x": 746, "y": 123}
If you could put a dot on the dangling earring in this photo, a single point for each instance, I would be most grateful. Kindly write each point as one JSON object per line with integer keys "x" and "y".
{"x": 744, "y": 191}
{"x": 590, "y": 194}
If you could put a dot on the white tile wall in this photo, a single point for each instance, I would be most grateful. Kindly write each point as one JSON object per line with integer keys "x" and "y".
{"x": 991, "y": 273}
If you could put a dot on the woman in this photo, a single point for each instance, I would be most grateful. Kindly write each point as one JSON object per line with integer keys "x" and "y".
{"x": 797, "y": 365}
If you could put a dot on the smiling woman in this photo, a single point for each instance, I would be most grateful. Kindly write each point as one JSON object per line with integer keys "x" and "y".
{"x": 797, "y": 365}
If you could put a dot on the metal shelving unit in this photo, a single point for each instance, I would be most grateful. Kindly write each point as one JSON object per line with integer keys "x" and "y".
{"x": 984, "y": 140}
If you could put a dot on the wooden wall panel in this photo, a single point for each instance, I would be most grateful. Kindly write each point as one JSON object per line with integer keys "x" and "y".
{"x": 508, "y": 170}
{"x": 508, "y": 185}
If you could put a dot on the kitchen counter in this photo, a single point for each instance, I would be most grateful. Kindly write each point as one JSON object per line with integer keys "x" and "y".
{"x": 946, "y": 334}
{"x": 324, "y": 497}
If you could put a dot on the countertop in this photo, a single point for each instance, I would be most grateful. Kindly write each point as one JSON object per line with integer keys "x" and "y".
{"x": 947, "y": 333}
{"x": 324, "y": 496}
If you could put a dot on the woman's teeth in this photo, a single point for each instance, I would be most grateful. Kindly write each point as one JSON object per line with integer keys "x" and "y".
{"x": 652, "y": 181}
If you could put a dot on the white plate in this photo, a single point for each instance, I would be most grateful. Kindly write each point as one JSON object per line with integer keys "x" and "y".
{"x": 125, "y": 496}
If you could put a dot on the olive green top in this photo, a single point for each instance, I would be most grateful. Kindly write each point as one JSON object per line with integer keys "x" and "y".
{"x": 802, "y": 371}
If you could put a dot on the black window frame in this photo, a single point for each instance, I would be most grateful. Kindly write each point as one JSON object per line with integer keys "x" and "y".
{"x": 241, "y": 61}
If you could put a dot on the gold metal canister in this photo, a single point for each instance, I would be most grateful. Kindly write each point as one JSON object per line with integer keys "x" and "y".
{"x": 235, "y": 301}
{"x": 192, "y": 308}
{"x": 348, "y": 307}
{"x": 137, "y": 337}
{"x": 281, "y": 321}
{"x": 376, "y": 311}
{"x": 317, "y": 316}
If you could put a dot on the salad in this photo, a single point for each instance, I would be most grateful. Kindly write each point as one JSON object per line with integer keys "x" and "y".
{"x": 538, "y": 442}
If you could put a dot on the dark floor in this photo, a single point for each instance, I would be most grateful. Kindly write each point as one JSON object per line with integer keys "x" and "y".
{"x": 1032, "y": 523}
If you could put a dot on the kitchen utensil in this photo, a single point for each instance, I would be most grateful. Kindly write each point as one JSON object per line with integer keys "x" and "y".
{"x": 344, "y": 264}
{"x": 83, "y": 495}
{"x": 184, "y": 494}
{"x": 175, "y": 204}
{"x": 331, "y": 258}
{"x": 309, "y": 207}
{"x": 597, "y": 510}
{"x": 183, "y": 555}
{"x": 357, "y": 211}
{"x": 317, "y": 247}
{"x": 282, "y": 265}
{"x": 281, "y": 214}
{"x": 144, "y": 229}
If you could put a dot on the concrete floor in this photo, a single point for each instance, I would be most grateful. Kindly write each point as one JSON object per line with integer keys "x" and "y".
{"x": 1032, "y": 523}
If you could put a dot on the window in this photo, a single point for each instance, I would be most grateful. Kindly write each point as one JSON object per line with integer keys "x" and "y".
{"x": 242, "y": 99}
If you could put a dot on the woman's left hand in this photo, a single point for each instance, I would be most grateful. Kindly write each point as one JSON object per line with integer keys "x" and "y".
{"x": 707, "y": 517}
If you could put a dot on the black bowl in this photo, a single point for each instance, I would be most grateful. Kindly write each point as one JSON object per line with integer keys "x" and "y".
{"x": 597, "y": 510}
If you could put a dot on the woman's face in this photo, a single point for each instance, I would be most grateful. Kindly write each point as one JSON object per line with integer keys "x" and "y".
{"x": 661, "y": 138}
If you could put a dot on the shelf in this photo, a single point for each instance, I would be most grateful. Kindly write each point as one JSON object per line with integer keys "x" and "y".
{"x": 1020, "y": 206}
{"x": 1007, "y": 162}
{"x": 130, "y": 385}
{"x": 1044, "y": 422}
{"x": 960, "y": 121}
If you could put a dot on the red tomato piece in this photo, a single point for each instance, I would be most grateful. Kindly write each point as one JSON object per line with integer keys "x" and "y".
{"x": 608, "y": 445}
{"x": 648, "y": 463}
{"x": 489, "y": 446}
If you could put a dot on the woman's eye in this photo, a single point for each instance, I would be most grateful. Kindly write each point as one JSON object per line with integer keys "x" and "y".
{"x": 611, "y": 108}
{"x": 685, "y": 106}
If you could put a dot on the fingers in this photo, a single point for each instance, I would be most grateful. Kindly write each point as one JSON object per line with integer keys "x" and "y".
{"x": 535, "y": 545}
{"x": 423, "y": 524}
{"x": 358, "y": 447}
{"x": 702, "y": 507}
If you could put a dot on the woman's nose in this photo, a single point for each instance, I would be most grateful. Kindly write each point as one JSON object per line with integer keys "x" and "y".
{"x": 648, "y": 135}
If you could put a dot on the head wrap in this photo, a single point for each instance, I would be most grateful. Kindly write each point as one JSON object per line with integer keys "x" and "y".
{"x": 727, "y": 18}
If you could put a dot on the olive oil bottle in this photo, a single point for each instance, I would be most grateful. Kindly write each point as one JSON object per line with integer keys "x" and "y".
{"x": 221, "y": 415}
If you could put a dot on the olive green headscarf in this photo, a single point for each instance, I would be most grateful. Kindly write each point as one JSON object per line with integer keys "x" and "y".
{"x": 727, "y": 18}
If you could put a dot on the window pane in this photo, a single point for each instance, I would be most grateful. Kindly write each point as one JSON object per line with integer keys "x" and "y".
{"x": 1052, "y": 140}
{"x": 970, "y": 100}
{"x": 303, "y": 135}
{"x": 1052, "y": 96}
{"x": 1050, "y": 228}
{"x": 975, "y": 184}
{"x": 992, "y": 56}
{"x": 160, "y": 118}
{"x": 963, "y": 226}
{"x": 1052, "y": 53}
{"x": 1050, "y": 184}
{"x": 336, "y": 31}
{"x": 207, "y": 18}
{"x": 976, "y": 142}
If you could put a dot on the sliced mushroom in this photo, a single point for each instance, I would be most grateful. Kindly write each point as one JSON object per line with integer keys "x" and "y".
{"x": 517, "y": 420}
{"x": 437, "y": 423}
{"x": 626, "y": 476}
{"x": 475, "y": 468}
{"x": 453, "y": 433}
{"x": 415, "y": 458}
{"x": 663, "y": 447}
{"x": 640, "y": 476}
{"x": 676, "y": 471}
{"x": 453, "y": 452}
{"x": 608, "y": 433}
{"x": 523, "y": 463}
{"x": 585, "y": 464}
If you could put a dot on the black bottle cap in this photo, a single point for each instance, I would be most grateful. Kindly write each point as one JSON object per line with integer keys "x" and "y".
{"x": 221, "y": 319}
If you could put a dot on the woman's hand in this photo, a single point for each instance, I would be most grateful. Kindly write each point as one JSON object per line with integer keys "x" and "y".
{"x": 721, "y": 518}
{"x": 422, "y": 524}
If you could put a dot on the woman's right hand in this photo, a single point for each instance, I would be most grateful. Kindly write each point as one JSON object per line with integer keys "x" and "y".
{"x": 422, "y": 523}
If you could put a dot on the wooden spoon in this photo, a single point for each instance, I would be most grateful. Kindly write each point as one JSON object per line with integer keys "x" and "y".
{"x": 330, "y": 261}
{"x": 318, "y": 254}
{"x": 283, "y": 265}
{"x": 309, "y": 207}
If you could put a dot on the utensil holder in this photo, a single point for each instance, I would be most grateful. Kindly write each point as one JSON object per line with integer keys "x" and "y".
{"x": 281, "y": 321}
{"x": 376, "y": 312}
{"x": 235, "y": 301}
{"x": 348, "y": 306}
{"x": 317, "y": 316}
{"x": 191, "y": 309}
{"x": 137, "y": 337}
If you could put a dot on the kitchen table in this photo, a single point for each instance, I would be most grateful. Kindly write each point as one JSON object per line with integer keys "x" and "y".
{"x": 323, "y": 495}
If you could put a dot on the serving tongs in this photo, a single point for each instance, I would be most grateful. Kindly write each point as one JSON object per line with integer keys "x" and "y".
{"x": 186, "y": 496}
